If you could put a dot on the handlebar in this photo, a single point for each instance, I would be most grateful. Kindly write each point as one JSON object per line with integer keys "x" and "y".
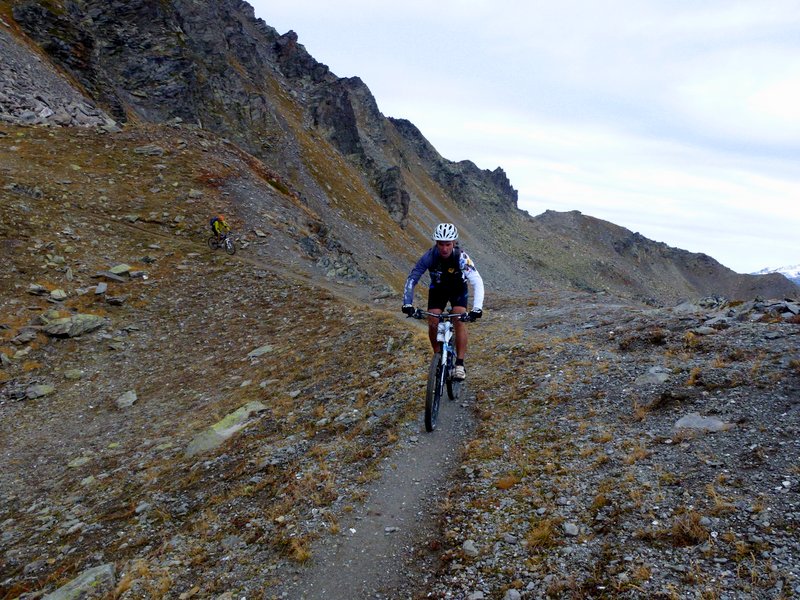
{"x": 421, "y": 314}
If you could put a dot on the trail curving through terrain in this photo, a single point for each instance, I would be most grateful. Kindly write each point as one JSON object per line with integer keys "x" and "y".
{"x": 385, "y": 546}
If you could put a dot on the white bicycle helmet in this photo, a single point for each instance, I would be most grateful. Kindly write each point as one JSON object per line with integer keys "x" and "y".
{"x": 445, "y": 232}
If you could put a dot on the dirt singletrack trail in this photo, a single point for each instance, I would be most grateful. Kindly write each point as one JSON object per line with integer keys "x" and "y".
{"x": 383, "y": 549}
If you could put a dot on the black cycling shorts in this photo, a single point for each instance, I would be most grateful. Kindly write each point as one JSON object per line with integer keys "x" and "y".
{"x": 456, "y": 295}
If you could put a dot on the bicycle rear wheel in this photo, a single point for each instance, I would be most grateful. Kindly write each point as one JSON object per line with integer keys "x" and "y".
{"x": 212, "y": 243}
{"x": 433, "y": 393}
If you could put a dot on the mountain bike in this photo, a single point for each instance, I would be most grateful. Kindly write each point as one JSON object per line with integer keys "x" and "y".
{"x": 440, "y": 373}
{"x": 223, "y": 242}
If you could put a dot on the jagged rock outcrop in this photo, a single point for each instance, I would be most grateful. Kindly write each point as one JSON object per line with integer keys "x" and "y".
{"x": 296, "y": 63}
{"x": 333, "y": 114}
{"x": 394, "y": 195}
{"x": 324, "y": 144}
{"x": 464, "y": 180}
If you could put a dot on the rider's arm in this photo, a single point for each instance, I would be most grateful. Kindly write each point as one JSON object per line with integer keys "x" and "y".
{"x": 474, "y": 279}
{"x": 423, "y": 264}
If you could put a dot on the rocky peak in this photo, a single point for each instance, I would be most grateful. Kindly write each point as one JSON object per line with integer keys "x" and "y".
{"x": 413, "y": 136}
{"x": 147, "y": 454}
{"x": 296, "y": 63}
{"x": 218, "y": 68}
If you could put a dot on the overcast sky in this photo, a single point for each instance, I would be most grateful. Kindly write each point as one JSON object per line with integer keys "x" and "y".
{"x": 677, "y": 119}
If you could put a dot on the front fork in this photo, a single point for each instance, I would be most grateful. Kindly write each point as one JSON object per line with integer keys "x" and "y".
{"x": 448, "y": 353}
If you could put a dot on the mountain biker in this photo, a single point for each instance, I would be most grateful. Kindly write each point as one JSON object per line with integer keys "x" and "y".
{"x": 450, "y": 270}
{"x": 219, "y": 226}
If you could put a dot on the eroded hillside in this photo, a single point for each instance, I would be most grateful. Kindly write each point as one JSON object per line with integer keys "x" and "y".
{"x": 102, "y": 427}
{"x": 179, "y": 423}
{"x": 374, "y": 185}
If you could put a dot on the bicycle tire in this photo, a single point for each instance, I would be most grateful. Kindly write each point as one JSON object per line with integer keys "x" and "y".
{"x": 433, "y": 393}
{"x": 230, "y": 248}
{"x": 212, "y": 243}
{"x": 453, "y": 387}
{"x": 448, "y": 376}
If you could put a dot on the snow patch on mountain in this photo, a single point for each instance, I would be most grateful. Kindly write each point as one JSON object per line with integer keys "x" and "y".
{"x": 792, "y": 272}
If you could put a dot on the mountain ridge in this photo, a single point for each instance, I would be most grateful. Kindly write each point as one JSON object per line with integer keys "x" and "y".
{"x": 791, "y": 272}
{"x": 181, "y": 423}
{"x": 265, "y": 92}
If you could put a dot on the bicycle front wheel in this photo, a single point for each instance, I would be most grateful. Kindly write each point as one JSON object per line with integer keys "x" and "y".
{"x": 229, "y": 247}
{"x": 433, "y": 392}
{"x": 453, "y": 385}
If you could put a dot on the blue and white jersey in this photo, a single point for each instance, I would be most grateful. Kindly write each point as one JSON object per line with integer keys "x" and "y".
{"x": 441, "y": 273}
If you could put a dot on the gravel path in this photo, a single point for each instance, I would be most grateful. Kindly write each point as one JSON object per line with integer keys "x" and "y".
{"x": 383, "y": 549}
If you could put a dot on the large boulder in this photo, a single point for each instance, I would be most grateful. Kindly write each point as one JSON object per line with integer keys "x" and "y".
{"x": 74, "y": 326}
{"x": 94, "y": 583}
{"x": 215, "y": 435}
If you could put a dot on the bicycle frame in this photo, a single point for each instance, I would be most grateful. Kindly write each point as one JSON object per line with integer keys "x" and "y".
{"x": 224, "y": 241}
{"x": 440, "y": 374}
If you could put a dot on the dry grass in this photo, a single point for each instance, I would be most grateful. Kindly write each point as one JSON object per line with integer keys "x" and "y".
{"x": 483, "y": 450}
{"x": 639, "y": 411}
{"x": 543, "y": 534}
{"x": 692, "y": 341}
{"x": 506, "y": 482}
{"x": 719, "y": 362}
{"x": 602, "y": 437}
{"x": 720, "y": 505}
{"x": 667, "y": 478}
{"x": 695, "y": 377}
{"x": 601, "y": 500}
{"x": 299, "y": 549}
{"x": 637, "y": 453}
{"x": 686, "y": 529}
{"x": 641, "y": 573}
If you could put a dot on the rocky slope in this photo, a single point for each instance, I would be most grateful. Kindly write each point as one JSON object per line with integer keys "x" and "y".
{"x": 630, "y": 453}
{"x": 368, "y": 179}
{"x": 608, "y": 257}
{"x": 177, "y": 423}
{"x": 124, "y": 339}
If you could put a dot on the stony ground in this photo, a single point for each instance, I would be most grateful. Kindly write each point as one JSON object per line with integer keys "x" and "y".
{"x": 580, "y": 482}
{"x": 219, "y": 424}
{"x": 107, "y": 453}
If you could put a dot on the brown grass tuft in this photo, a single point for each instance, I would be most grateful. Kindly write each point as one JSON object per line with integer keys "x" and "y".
{"x": 542, "y": 533}
{"x": 695, "y": 377}
{"x": 638, "y": 452}
{"x": 299, "y": 550}
{"x": 687, "y": 531}
{"x": 507, "y": 482}
{"x": 691, "y": 341}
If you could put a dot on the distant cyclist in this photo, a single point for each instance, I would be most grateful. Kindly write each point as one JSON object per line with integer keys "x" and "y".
{"x": 450, "y": 270}
{"x": 219, "y": 226}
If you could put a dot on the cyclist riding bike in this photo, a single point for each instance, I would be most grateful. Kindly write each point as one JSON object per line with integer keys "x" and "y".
{"x": 219, "y": 226}
{"x": 451, "y": 270}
